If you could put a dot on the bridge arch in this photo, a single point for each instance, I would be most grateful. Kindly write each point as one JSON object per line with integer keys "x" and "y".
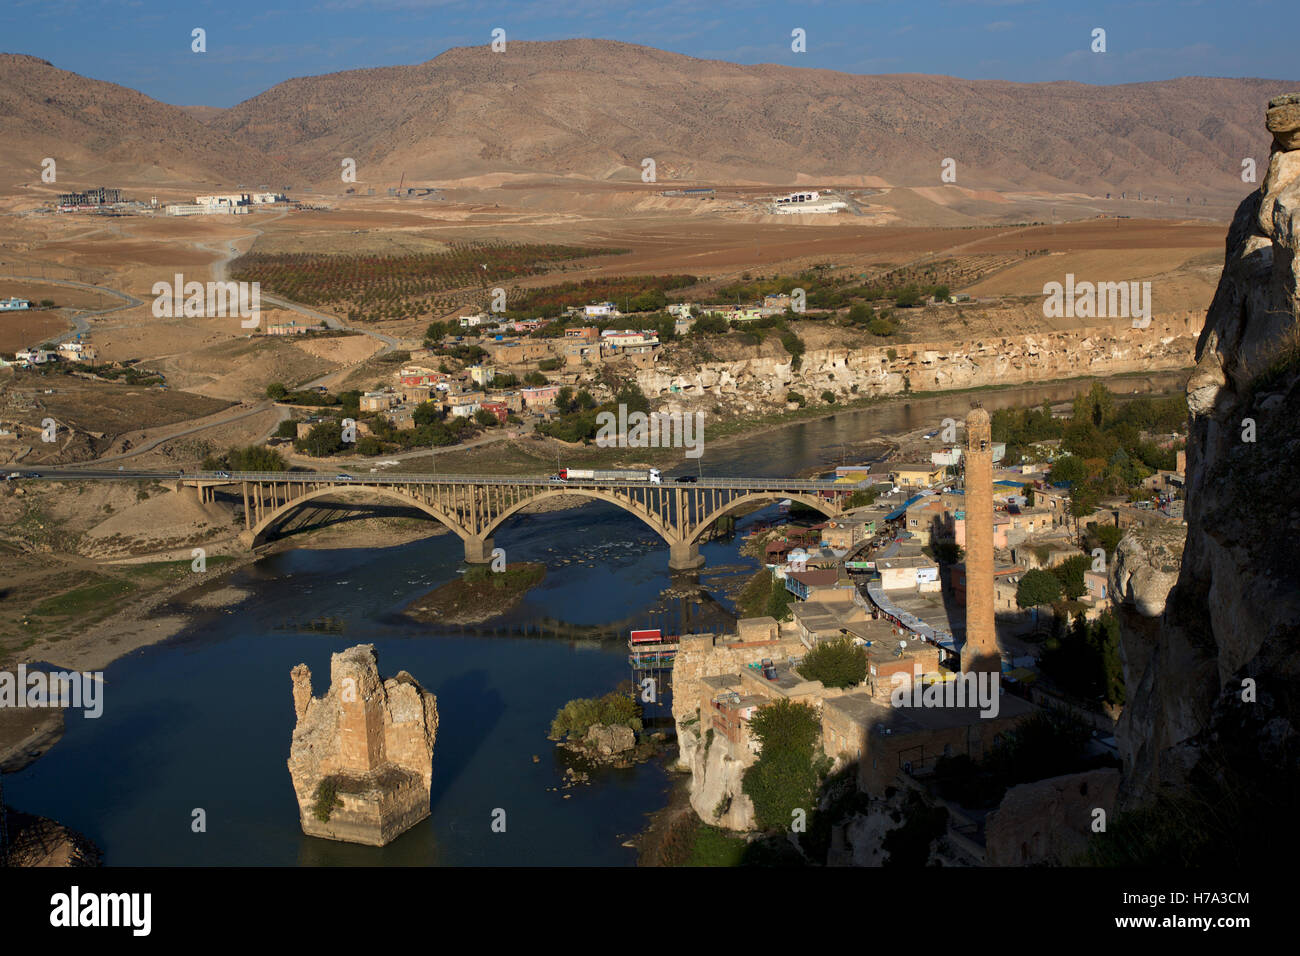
{"x": 596, "y": 494}
{"x": 829, "y": 509}
{"x": 257, "y": 532}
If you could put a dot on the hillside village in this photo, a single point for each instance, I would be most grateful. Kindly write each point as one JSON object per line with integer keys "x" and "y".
{"x": 886, "y": 583}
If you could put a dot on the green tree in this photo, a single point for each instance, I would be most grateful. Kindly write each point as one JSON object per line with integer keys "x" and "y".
{"x": 778, "y": 602}
{"x": 486, "y": 418}
{"x": 861, "y": 314}
{"x": 1038, "y": 587}
{"x": 255, "y": 458}
{"x": 828, "y": 397}
{"x": 882, "y": 326}
{"x": 426, "y": 413}
{"x": 709, "y": 325}
{"x": 785, "y": 776}
{"x": 276, "y": 391}
{"x": 1070, "y": 573}
{"x": 323, "y": 440}
{"x": 838, "y": 663}
{"x": 864, "y": 496}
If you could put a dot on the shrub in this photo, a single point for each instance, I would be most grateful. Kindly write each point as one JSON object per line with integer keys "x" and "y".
{"x": 327, "y": 800}
{"x": 575, "y": 718}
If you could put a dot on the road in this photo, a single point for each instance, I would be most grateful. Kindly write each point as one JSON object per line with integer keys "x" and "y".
{"x": 80, "y": 325}
{"x": 172, "y": 436}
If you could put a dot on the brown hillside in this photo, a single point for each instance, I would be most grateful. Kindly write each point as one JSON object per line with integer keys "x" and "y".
{"x": 103, "y": 133}
{"x": 595, "y": 108}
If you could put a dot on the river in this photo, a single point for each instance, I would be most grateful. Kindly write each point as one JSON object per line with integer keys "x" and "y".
{"x": 203, "y": 720}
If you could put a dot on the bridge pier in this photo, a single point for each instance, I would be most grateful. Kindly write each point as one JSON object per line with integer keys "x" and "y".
{"x": 478, "y": 550}
{"x": 684, "y": 555}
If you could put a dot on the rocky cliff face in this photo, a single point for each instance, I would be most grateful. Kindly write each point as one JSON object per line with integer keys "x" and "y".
{"x": 362, "y": 756}
{"x": 890, "y": 370}
{"x": 1212, "y": 672}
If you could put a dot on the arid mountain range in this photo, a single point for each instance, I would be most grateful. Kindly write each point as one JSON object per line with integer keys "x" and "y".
{"x": 594, "y": 109}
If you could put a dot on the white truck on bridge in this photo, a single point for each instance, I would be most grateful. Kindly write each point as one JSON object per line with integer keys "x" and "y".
{"x": 586, "y": 474}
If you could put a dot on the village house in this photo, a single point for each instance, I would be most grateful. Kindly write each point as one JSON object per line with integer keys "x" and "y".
{"x": 841, "y": 534}
{"x": 419, "y": 375}
{"x": 540, "y": 398}
{"x": 819, "y": 584}
{"x": 77, "y": 352}
{"x": 1006, "y": 580}
{"x": 916, "y": 474}
{"x": 292, "y": 328}
{"x": 917, "y": 572}
{"x": 627, "y": 338}
{"x": 517, "y": 353}
{"x": 380, "y": 401}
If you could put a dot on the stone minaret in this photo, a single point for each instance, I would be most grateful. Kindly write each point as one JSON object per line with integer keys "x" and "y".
{"x": 980, "y": 652}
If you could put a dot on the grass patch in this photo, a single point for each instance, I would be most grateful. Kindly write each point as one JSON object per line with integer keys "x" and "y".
{"x": 85, "y": 600}
{"x": 714, "y": 847}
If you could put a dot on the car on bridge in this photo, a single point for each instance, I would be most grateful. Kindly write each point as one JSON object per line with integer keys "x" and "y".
{"x": 687, "y": 479}
{"x": 223, "y": 474}
{"x": 341, "y": 476}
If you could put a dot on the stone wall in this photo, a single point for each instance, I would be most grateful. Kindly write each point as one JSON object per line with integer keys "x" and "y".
{"x": 1049, "y": 821}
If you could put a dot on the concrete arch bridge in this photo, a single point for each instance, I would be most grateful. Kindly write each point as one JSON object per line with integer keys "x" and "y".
{"x": 475, "y": 506}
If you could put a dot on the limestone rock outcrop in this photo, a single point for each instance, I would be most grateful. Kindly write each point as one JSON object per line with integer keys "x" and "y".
{"x": 362, "y": 755}
{"x": 717, "y": 781}
{"x": 1145, "y": 567}
{"x": 1048, "y": 821}
{"x": 610, "y": 739}
{"x": 1212, "y": 684}
{"x": 763, "y": 381}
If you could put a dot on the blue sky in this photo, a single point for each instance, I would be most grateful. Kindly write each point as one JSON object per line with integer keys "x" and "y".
{"x": 254, "y": 44}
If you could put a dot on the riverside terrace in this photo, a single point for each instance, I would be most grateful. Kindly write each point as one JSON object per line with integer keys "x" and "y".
{"x": 475, "y": 506}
